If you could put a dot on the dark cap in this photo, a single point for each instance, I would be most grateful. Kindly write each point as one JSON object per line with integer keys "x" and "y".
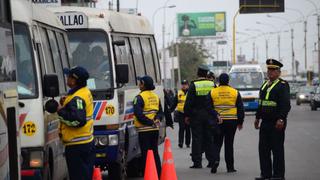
{"x": 77, "y": 72}
{"x": 184, "y": 81}
{"x": 273, "y": 64}
{"x": 224, "y": 79}
{"x": 210, "y": 74}
{"x": 202, "y": 70}
{"x": 147, "y": 81}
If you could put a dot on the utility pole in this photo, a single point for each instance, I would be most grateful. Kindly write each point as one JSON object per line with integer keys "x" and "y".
{"x": 293, "y": 59}
{"x": 319, "y": 46}
{"x": 253, "y": 50}
{"x": 279, "y": 58}
{"x": 305, "y": 45}
{"x": 118, "y": 5}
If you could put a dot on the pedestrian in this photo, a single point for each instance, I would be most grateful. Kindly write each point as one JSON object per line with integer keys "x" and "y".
{"x": 147, "y": 116}
{"x": 274, "y": 106}
{"x": 76, "y": 125}
{"x": 197, "y": 116}
{"x": 179, "y": 101}
{"x": 211, "y": 77}
{"x": 167, "y": 108}
{"x": 228, "y": 103}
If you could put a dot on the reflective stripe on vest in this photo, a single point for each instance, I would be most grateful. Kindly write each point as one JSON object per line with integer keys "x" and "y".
{"x": 150, "y": 109}
{"x": 265, "y": 102}
{"x": 181, "y": 100}
{"x": 224, "y": 100}
{"x": 79, "y": 135}
{"x": 203, "y": 87}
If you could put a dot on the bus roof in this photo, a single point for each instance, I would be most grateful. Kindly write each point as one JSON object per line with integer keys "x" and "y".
{"x": 27, "y": 12}
{"x": 109, "y": 20}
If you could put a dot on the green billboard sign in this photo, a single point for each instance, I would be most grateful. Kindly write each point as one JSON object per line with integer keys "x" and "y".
{"x": 201, "y": 24}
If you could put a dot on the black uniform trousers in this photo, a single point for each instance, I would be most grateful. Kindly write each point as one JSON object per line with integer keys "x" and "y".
{"x": 227, "y": 133}
{"x": 271, "y": 140}
{"x": 184, "y": 129}
{"x": 202, "y": 139}
{"x": 80, "y": 161}
{"x": 149, "y": 141}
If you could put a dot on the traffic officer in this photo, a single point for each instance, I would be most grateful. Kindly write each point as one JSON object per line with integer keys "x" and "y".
{"x": 76, "y": 125}
{"x": 274, "y": 106}
{"x": 147, "y": 116}
{"x": 228, "y": 103}
{"x": 197, "y": 115}
{"x": 179, "y": 101}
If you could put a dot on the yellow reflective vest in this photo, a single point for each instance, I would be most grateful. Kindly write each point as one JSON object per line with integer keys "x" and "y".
{"x": 181, "y": 100}
{"x": 224, "y": 99}
{"x": 150, "y": 109}
{"x": 79, "y": 135}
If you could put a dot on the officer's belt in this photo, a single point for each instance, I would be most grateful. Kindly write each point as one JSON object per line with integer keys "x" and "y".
{"x": 267, "y": 103}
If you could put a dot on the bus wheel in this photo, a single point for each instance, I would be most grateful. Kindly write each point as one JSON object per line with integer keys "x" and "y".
{"x": 118, "y": 170}
{"x": 134, "y": 168}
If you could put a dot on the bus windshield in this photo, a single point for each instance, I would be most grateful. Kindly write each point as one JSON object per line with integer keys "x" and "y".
{"x": 246, "y": 80}
{"x": 25, "y": 66}
{"x": 89, "y": 49}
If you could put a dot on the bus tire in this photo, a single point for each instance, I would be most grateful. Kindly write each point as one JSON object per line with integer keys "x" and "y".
{"x": 118, "y": 170}
{"x": 134, "y": 168}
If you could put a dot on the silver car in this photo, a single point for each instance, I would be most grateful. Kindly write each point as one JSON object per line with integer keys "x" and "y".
{"x": 304, "y": 94}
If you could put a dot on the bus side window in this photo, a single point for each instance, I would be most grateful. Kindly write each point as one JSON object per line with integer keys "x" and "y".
{"x": 123, "y": 55}
{"x": 63, "y": 49}
{"x": 56, "y": 60}
{"x": 137, "y": 57}
{"x": 156, "y": 59}
{"x": 46, "y": 51}
{"x": 148, "y": 58}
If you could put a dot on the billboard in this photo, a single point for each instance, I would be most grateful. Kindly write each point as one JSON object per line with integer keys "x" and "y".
{"x": 201, "y": 24}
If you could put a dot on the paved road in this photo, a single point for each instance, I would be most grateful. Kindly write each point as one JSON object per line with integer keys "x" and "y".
{"x": 302, "y": 148}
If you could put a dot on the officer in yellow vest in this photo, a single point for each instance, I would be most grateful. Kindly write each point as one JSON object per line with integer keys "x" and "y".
{"x": 179, "y": 101}
{"x": 147, "y": 116}
{"x": 76, "y": 125}
{"x": 273, "y": 109}
{"x": 196, "y": 113}
{"x": 228, "y": 103}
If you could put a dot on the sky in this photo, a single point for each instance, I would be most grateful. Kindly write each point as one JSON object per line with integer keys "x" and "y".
{"x": 245, "y": 24}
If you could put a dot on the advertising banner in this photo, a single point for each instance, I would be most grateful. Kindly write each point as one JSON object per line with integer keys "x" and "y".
{"x": 201, "y": 24}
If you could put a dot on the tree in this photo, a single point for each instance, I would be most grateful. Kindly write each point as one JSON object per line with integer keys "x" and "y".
{"x": 191, "y": 55}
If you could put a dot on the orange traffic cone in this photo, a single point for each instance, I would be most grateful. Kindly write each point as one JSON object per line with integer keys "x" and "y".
{"x": 168, "y": 171}
{"x": 96, "y": 174}
{"x": 150, "y": 172}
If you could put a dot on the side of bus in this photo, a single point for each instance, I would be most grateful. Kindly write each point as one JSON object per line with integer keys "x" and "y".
{"x": 41, "y": 54}
{"x": 102, "y": 41}
{"x": 9, "y": 139}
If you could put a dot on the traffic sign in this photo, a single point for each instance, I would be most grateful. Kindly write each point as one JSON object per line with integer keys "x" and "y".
{"x": 261, "y": 6}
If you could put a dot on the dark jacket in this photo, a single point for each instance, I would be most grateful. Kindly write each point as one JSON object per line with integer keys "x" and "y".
{"x": 280, "y": 94}
{"x": 72, "y": 113}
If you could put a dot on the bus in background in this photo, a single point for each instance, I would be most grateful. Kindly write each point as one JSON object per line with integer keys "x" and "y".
{"x": 101, "y": 40}
{"x": 9, "y": 124}
{"x": 41, "y": 54}
{"x": 247, "y": 79}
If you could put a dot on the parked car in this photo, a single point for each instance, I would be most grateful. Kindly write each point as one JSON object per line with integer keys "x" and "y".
{"x": 315, "y": 99}
{"x": 304, "y": 94}
{"x": 294, "y": 87}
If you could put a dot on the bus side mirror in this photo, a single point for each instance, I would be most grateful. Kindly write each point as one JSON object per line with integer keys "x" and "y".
{"x": 122, "y": 73}
{"x": 119, "y": 43}
{"x": 50, "y": 85}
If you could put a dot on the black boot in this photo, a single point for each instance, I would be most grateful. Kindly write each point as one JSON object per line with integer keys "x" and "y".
{"x": 214, "y": 168}
{"x": 196, "y": 166}
{"x": 261, "y": 178}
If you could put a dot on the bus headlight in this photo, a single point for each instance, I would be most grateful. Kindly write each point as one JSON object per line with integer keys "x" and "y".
{"x": 113, "y": 140}
{"x": 36, "y": 159}
{"x": 103, "y": 141}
